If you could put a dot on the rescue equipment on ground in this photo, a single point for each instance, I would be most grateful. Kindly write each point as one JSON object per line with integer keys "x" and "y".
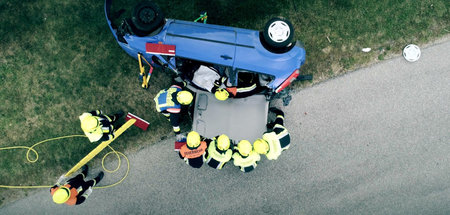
{"x": 31, "y": 160}
{"x": 203, "y": 17}
{"x": 100, "y": 147}
{"x": 142, "y": 77}
{"x": 140, "y": 123}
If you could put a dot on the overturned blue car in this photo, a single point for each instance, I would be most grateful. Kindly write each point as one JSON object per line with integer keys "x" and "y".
{"x": 270, "y": 58}
{"x": 253, "y": 66}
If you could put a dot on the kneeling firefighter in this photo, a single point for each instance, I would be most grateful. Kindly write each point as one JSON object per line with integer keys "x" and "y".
{"x": 98, "y": 126}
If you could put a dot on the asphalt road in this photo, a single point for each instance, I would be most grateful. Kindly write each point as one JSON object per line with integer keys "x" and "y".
{"x": 375, "y": 141}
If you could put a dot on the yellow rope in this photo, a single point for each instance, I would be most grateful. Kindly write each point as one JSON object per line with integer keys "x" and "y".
{"x": 31, "y": 149}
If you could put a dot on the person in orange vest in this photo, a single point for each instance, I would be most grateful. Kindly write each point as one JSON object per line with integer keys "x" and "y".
{"x": 193, "y": 152}
{"x": 75, "y": 190}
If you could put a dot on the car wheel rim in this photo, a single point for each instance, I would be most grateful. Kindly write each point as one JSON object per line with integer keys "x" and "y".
{"x": 411, "y": 53}
{"x": 147, "y": 15}
{"x": 279, "y": 31}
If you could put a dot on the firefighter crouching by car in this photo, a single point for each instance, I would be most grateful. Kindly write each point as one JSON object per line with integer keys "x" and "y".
{"x": 276, "y": 140}
{"x": 222, "y": 91}
{"x": 98, "y": 126}
{"x": 219, "y": 152}
{"x": 193, "y": 152}
{"x": 169, "y": 102}
{"x": 245, "y": 157}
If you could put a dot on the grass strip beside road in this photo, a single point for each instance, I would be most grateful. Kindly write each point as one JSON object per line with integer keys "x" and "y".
{"x": 59, "y": 59}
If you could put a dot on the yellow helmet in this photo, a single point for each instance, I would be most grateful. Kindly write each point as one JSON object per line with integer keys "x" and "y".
{"x": 61, "y": 195}
{"x": 244, "y": 147}
{"x": 223, "y": 142}
{"x": 193, "y": 139}
{"x": 89, "y": 123}
{"x": 261, "y": 146}
{"x": 221, "y": 94}
{"x": 184, "y": 97}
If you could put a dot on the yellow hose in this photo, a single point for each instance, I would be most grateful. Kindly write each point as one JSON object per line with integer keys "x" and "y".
{"x": 31, "y": 149}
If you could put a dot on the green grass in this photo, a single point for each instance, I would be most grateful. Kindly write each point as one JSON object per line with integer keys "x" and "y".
{"x": 59, "y": 59}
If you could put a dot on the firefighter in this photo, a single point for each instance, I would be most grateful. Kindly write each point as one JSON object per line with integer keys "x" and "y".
{"x": 98, "y": 126}
{"x": 245, "y": 157}
{"x": 219, "y": 152}
{"x": 75, "y": 190}
{"x": 222, "y": 89}
{"x": 274, "y": 141}
{"x": 169, "y": 103}
{"x": 193, "y": 152}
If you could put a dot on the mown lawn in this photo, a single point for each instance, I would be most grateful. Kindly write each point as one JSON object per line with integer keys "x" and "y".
{"x": 59, "y": 59}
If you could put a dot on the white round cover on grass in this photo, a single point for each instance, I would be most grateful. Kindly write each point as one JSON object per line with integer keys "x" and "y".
{"x": 411, "y": 53}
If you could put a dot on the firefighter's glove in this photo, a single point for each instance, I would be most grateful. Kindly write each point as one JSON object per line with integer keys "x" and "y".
{"x": 270, "y": 125}
{"x": 61, "y": 180}
{"x": 179, "y": 81}
{"x": 180, "y": 137}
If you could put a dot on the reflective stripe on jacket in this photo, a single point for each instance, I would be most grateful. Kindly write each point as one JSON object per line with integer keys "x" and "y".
{"x": 282, "y": 135}
{"x": 246, "y": 164}
{"x": 165, "y": 100}
{"x": 274, "y": 145}
{"x": 215, "y": 158}
{"x": 104, "y": 127}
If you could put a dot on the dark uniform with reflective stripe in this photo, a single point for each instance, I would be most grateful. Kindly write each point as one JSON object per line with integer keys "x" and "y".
{"x": 106, "y": 127}
{"x": 278, "y": 137}
{"x": 167, "y": 104}
{"x": 77, "y": 187}
{"x": 246, "y": 163}
{"x": 281, "y": 131}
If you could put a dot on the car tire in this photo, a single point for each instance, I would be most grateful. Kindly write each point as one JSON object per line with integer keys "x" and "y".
{"x": 146, "y": 18}
{"x": 278, "y": 33}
